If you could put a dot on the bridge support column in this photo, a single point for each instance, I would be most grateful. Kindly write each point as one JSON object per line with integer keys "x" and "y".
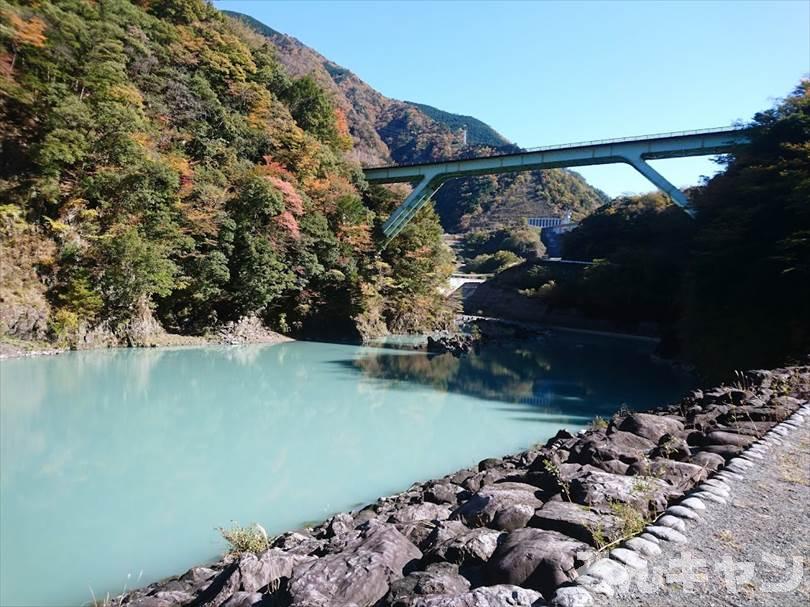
{"x": 418, "y": 198}
{"x": 661, "y": 182}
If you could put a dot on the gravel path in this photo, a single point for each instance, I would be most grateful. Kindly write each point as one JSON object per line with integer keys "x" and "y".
{"x": 741, "y": 551}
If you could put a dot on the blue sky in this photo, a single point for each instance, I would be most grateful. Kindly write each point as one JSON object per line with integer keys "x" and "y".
{"x": 556, "y": 72}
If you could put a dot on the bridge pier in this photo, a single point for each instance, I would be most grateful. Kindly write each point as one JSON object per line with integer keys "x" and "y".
{"x": 661, "y": 182}
{"x": 419, "y": 197}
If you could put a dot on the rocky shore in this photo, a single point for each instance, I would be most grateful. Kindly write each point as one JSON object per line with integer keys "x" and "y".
{"x": 248, "y": 330}
{"x": 510, "y": 531}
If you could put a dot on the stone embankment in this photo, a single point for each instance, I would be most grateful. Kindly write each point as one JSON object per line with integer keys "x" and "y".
{"x": 516, "y": 530}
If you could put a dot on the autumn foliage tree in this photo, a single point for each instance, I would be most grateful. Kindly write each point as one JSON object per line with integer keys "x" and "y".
{"x": 180, "y": 172}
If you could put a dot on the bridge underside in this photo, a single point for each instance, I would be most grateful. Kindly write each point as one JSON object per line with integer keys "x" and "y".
{"x": 429, "y": 177}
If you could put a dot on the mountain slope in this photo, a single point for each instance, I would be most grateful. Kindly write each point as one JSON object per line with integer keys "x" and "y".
{"x": 159, "y": 169}
{"x": 386, "y": 130}
{"x": 478, "y": 132}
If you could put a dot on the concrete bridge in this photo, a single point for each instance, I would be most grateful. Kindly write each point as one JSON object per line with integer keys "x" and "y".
{"x": 635, "y": 151}
{"x": 466, "y": 282}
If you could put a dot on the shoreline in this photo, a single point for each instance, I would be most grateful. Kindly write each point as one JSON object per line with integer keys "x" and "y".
{"x": 242, "y": 333}
{"x": 13, "y": 348}
{"x": 515, "y": 528}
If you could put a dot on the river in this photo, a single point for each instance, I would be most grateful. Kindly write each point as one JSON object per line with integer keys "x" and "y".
{"x": 118, "y": 466}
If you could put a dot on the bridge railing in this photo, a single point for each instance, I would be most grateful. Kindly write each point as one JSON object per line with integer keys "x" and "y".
{"x": 579, "y": 144}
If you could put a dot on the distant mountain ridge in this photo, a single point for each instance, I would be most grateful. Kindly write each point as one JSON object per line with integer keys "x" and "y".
{"x": 478, "y": 132}
{"x": 386, "y": 130}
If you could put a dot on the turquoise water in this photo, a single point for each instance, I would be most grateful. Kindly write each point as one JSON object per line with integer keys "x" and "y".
{"x": 118, "y": 466}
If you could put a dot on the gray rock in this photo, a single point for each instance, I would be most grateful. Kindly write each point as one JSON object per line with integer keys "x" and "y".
{"x": 643, "y": 547}
{"x": 665, "y": 533}
{"x": 486, "y": 596}
{"x": 417, "y": 532}
{"x": 575, "y": 520}
{"x": 628, "y": 558}
{"x": 572, "y": 596}
{"x": 420, "y": 512}
{"x": 442, "y": 493}
{"x": 725, "y": 451}
{"x": 481, "y": 509}
{"x": 650, "y": 538}
{"x": 473, "y": 546}
{"x": 595, "y": 585}
{"x": 513, "y": 516}
{"x": 710, "y": 497}
{"x": 729, "y": 438}
{"x": 438, "y": 578}
{"x": 682, "y": 512}
{"x": 694, "y": 503}
{"x": 652, "y": 427}
{"x": 680, "y": 475}
{"x": 485, "y": 478}
{"x": 600, "y": 490}
{"x": 359, "y": 575}
{"x": 244, "y": 599}
{"x": 609, "y": 571}
{"x": 297, "y": 543}
{"x": 716, "y": 486}
{"x": 672, "y": 522}
{"x": 622, "y": 446}
{"x": 268, "y": 568}
{"x": 538, "y": 559}
{"x": 443, "y": 531}
{"x": 708, "y": 460}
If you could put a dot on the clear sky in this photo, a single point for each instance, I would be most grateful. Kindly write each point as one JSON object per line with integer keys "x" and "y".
{"x": 556, "y": 72}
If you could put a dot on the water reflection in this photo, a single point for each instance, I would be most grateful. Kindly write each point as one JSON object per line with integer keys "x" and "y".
{"x": 559, "y": 372}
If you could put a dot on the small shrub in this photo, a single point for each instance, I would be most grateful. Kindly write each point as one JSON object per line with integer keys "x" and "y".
{"x": 599, "y": 423}
{"x": 246, "y": 539}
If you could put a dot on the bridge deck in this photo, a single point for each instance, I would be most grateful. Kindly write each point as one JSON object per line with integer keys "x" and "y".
{"x": 634, "y": 151}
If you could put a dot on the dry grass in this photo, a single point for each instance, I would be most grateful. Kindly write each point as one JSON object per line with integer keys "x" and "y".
{"x": 246, "y": 539}
{"x": 727, "y": 537}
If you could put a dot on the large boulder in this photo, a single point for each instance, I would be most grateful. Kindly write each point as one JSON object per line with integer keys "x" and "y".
{"x": 681, "y": 475}
{"x": 577, "y": 521}
{"x": 729, "y": 438}
{"x": 442, "y": 492}
{"x": 486, "y": 596}
{"x": 623, "y": 446}
{"x": 652, "y": 427}
{"x": 437, "y": 578}
{"x": 441, "y": 532}
{"x": 483, "y": 508}
{"x": 360, "y": 575}
{"x": 420, "y": 512}
{"x": 538, "y": 559}
{"x": 600, "y": 490}
{"x": 709, "y": 461}
{"x": 474, "y": 546}
{"x": 267, "y": 569}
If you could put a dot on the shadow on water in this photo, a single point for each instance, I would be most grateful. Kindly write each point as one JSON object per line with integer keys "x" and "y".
{"x": 561, "y": 374}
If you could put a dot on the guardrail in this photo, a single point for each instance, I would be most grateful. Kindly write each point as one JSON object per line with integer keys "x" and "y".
{"x": 578, "y": 144}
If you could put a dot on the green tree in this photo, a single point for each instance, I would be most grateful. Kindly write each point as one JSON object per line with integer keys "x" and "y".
{"x": 748, "y": 291}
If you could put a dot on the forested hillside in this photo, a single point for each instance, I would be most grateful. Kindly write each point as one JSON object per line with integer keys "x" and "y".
{"x": 387, "y": 130}
{"x": 160, "y": 165}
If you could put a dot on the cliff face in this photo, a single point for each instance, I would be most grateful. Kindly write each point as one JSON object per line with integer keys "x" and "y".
{"x": 386, "y": 130}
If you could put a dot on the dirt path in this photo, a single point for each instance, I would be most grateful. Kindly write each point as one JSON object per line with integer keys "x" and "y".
{"x": 754, "y": 550}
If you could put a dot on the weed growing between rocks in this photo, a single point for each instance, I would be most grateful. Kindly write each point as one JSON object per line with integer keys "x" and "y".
{"x": 554, "y": 470}
{"x": 245, "y": 539}
{"x": 631, "y": 522}
{"x": 599, "y": 423}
